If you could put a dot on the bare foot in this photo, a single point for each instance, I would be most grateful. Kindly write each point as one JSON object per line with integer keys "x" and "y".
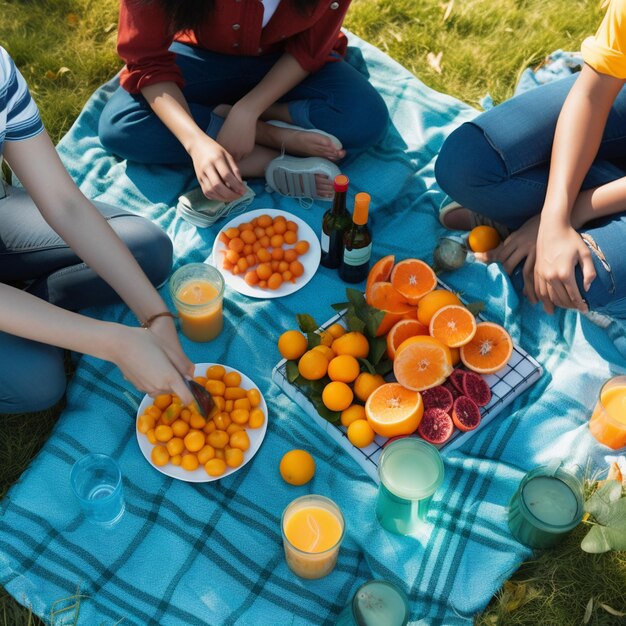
{"x": 298, "y": 142}
{"x": 324, "y": 186}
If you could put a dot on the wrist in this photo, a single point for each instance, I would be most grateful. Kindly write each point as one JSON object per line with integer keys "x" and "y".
{"x": 249, "y": 107}
{"x": 192, "y": 142}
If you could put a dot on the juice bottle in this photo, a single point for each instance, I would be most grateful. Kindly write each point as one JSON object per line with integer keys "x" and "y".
{"x": 334, "y": 224}
{"x": 357, "y": 243}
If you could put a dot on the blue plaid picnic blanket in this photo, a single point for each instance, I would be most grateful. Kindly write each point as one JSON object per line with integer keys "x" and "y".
{"x": 187, "y": 554}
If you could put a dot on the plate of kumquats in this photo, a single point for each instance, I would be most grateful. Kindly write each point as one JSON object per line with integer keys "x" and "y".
{"x": 266, "y": 253}
{"x": 179, "y": 442}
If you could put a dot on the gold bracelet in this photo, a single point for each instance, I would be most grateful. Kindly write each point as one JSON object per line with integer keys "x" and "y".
{"x": 151, "y": 319}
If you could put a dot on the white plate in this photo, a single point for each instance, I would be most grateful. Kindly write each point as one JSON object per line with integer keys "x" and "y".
{"x": 310, "y": 260}
{"x": 256, "y": 436}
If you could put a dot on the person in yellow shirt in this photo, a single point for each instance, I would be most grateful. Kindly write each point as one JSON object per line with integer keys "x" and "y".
{"x": 550, "y": 165}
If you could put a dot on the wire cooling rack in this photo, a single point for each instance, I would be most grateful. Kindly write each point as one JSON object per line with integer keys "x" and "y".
{"x": 520, "y": 373}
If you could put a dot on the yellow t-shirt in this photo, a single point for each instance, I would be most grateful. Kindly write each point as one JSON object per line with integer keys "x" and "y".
{"x": 606, "y": 51}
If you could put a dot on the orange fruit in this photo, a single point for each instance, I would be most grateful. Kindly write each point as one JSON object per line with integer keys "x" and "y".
{"x": 489, "y": 350}
{"x": 297, "y": 467}
{"x": 337, "y": 396}
{"x": 194, "y": 441}
{"x": 483, "y": 238}
{"x": 360, "y": 433}
{"x": 326, "y": 351}
{"x": 422, "y": 362}
{"x": 336, "y": 330}
{"x": 455, "y": 353}
{"x": 453, "y": 325}
{"x": 380, "y": 272}
{"x": 344, "y": 368}
{"x": 394, "y": 410}
{"x": 313, "y": 365}
{"x": 385, "y": 297}
{"x": 352, "y": 413}
{"x": 366, "y": 383}
{"x": 292, "y": 344}
{"x": 353, "y": 343}
{"x": 434, "y": 301}
{"x": 413, "y": 279}
{"x": 402, "y": 330}
{"x": 215, "y": 467}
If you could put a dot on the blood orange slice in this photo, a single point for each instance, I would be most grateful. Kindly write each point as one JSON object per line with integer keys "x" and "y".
{"x": 476, "y": 388}
{"x": 465, "y": 413}
{"x": 413, "y": 279}
{"x": 422, "y": 362}
{"x": 394, "y": 410}
{"x": 403, "y": 330}
{"x": 438, "y": 398}
{"x": 453, "y": 325}
{"x": 489, "y": 350}
{"x": 436, "y": 426}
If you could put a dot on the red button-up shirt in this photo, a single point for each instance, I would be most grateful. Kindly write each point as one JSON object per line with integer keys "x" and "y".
{"x": 232, "y": 27}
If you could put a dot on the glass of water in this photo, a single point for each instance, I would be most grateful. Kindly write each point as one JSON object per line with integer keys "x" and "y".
{"x": 97, "y": 483}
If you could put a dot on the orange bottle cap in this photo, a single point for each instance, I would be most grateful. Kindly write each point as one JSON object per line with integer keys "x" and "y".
{"x": 341, "y": 183}
{"x": 361, "y": 208}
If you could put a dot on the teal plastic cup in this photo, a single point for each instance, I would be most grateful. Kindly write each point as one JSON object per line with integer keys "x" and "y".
{"x": 547, "y": 505}
{"x": 376, "y": 603}
{"x": 410, "y": 471}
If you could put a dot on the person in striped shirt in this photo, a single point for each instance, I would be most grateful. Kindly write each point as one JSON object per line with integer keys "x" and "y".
{"x": 60, "y": 252}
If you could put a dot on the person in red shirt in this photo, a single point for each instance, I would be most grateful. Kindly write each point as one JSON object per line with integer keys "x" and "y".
{"x": 203, "y": 78}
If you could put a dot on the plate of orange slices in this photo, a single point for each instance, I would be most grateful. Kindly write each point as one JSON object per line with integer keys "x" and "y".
{"x": 178, "y": 442}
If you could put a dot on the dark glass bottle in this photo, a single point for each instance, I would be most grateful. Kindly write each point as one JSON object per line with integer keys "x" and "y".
{"x": 334, "y": 224}
{"x": 357, "y": 243}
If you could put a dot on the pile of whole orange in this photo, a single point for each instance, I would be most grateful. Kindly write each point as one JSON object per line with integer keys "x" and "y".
{"x": 182, "y": 437}
{"x": 257, "y": 250}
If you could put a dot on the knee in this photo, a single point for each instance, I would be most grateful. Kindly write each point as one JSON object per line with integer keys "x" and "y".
{"x": 366, "y": 120}
{"x": 150, "y": 246}
{"x": 467, "y": 163}
{"x": 20, "y": 395}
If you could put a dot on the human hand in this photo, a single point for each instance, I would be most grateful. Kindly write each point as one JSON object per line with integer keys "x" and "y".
{"x": 145, "y": 362}
{"x": 238, "y": 132}
{"x": 559, "y": 250}
{"x": 216, "y": 170}
{"x": 166, "y": 334}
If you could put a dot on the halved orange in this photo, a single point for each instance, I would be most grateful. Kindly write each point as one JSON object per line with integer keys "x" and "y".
{"x": 453, "y": 325}
{"x": 402, "y": 330}
{"x": 489, "y": 350}
{"x": 385, "y": 297}
{"x": 394, "y": 410}
{"x": 413, "y": 279}
{"x": 422, "y": 362}
{"x": 381, "y": 270}
{"x": 434, "y": 301}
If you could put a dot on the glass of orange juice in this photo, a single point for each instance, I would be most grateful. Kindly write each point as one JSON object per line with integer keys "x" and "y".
{"x": 608, "y": 421}
{"x": 197, "y": 290}
{"x": 313, "y": 528}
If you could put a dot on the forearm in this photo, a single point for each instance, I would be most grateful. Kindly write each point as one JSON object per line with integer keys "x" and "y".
{"x": 602, "y": 201}
{"x": 170, "y": 106}
{"x": 284, "y": 76}
{"x": 577, "y": 138}
{"x": 27, "y": 316}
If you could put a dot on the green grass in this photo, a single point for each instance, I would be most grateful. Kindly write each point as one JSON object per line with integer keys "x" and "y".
{"x": 66, "y": 48}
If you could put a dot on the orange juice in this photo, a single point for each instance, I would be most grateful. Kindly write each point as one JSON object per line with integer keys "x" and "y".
{"x": 197, "y": 290}
{"x": 608, "y": 422}
{"x": 312, "y": 532}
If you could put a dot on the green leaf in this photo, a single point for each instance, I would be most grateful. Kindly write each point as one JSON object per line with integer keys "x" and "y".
{"x": 291, "y": 369}
{"x": 367, "y": 365}
{"x": 356, "y": 297}
{"x": 340, "y": 306}
{"x": 330, "y": 416}
{"x": 374, "y": 318}
{"x": 354, "y": 322}
{"x": 378, "y": 349}
{"x": 313, "y": 339}
{"x": 599, "y": 504}
{"x": 476, "y": 308}
{"x": 384, "y": 367}
{"x": 306, "y": 323}
{"x": 602, "y": 539}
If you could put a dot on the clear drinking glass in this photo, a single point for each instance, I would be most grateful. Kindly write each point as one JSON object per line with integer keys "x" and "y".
{"x": 97, "y": 483}
{"x": 608, "y": 421}
{"x": 376, "y": 603}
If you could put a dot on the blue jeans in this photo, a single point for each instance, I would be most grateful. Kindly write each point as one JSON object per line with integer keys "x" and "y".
{"x": 497, "y": 165}
{"x": 34, "y": 257}
{"x": 337, "y": 99}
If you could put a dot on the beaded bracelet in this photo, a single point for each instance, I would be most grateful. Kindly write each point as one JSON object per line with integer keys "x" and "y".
{"x": 151, "y": 319}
